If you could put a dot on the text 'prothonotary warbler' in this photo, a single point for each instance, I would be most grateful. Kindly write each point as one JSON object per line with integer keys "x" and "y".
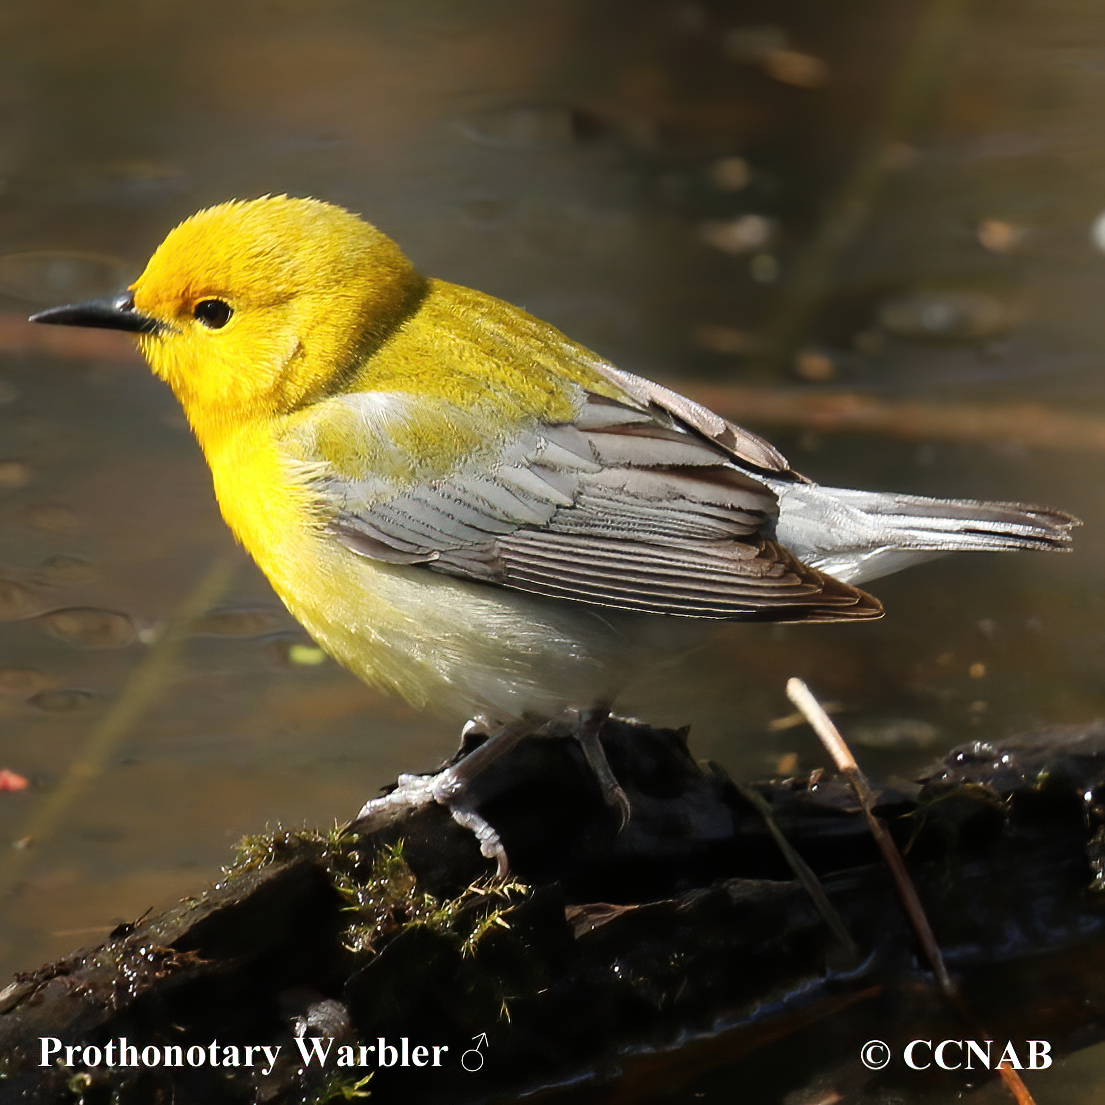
{"x": 464, "y": 506}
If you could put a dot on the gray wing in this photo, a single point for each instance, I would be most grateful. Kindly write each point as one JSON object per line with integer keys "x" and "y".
{"x": 631, "y": 507}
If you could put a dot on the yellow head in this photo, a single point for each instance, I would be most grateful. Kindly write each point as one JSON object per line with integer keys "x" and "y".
{"x": 257, "y": 307}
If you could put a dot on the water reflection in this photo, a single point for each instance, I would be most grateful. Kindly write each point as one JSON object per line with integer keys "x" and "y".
{"x": 887, "y": 199}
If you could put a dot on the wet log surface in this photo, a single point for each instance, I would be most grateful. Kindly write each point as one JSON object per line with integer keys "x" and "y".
{"x": 676, "y": 955}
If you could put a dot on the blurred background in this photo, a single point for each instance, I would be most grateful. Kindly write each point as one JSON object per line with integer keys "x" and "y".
{"x": 871, "y": 230}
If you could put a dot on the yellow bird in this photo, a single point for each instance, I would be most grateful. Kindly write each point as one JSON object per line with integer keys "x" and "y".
{"x": 464, "y": 506}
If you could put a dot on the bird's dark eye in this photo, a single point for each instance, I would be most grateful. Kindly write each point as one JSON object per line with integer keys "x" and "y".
{"x": 213, "y": 313}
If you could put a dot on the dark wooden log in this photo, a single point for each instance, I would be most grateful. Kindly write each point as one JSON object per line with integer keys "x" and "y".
{"x": 678, "y": 952}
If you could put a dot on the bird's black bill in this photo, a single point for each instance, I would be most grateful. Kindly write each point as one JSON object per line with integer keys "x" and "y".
{"x": 110, "y": 313}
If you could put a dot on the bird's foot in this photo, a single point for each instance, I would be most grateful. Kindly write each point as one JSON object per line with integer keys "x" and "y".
{"x": 411, "y": 793}
{"x": 450, "y": 786}
{"x": 416, "y": 792}
{"x": 589, "y": 724}
{"x": 491, "y": 844}
{"x": 583, "y": 726}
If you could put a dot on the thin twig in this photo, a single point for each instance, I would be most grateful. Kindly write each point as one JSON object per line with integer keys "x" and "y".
{"x": 1015, "y": 1085}
{"x": 800, "y": 695}
{"x": 841, "y": 754}
{"x": 803, "y": 872}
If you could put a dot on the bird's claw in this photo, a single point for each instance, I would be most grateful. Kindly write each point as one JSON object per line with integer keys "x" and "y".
{"x": 449, "y": 786}
{"x": 491, "y": 844}
{"x": 416, "y": 792}
{"x": 588, "y": 727}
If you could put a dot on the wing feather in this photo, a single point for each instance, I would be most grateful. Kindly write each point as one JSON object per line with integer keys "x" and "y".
{"x": 644, "y": 505}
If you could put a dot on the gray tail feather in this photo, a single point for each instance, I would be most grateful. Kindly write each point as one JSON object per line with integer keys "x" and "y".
{"x": 917, "y": 522}
{"x": 870, "y": 534}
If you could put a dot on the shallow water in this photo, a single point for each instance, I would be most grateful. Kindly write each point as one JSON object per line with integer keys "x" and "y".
{"x": 893, "y": 199}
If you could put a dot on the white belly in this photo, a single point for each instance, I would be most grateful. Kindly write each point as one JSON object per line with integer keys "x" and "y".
{"x": 462, "y": 648}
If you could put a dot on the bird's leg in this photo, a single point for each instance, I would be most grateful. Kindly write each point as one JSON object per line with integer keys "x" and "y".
{"x": 455, "y": 779}
{"x": 449, "y": 785}
{"x": 589, "y": 724}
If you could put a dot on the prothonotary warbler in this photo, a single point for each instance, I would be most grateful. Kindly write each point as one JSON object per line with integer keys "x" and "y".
{"x": 466, "y": 507}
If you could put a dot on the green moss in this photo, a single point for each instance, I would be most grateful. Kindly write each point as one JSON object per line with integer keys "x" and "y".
{"x": 390, "y": 900}
{"x": 258, "y": 850}
{"x": 342, "y": 1087}
{"x": 381, "y": 897}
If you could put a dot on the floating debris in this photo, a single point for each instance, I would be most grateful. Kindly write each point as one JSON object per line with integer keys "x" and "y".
{"x": 895, "y": 734}
{"x": 14, "y": 475}
{"x": 814, "y": 365}
{"x": 768, "y": 48}
{"x": 1000, "y": 237}
{"x": 740, "y": 235}
{"x": 90, "y": 627}
{"x": 786, "y": 765}
{"x": 308, "y": 656}
{"x": 795, "y": 68}
{"x": 730, "y": 174}
{"x": 722, "y": 339}
{"x": 946, "y": 316}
